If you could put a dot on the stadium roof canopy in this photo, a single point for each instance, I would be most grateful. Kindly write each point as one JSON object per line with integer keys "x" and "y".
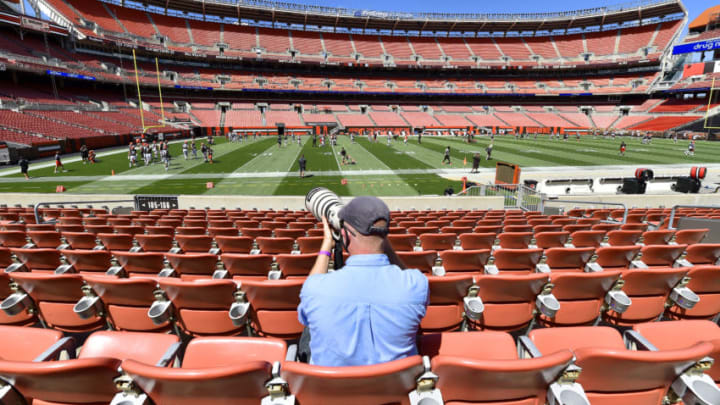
{"x": 300, "y": 14}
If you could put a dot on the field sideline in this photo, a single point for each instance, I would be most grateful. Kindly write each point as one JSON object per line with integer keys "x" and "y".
{"x": 262, "y": 168}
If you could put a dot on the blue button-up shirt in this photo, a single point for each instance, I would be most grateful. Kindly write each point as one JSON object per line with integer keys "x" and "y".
{"x": 368, "y": 312}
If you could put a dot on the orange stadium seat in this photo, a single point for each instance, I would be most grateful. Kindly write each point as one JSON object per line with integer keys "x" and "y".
{"x": 139, "y": 263}
{"x": 610, "y": 372}
{"x": 89, "y": 378}
{"x": 690, "y": 236}
{"x": 454, "y": 261}
{"x": 476, "y": 367}
{"x": 193, "y": 265}
{"x": 273, "y": 305}
{"x": 437, "y": 241}
{"x": 154, "y": 243}
{"x": 703, "y": 253}
{"x": 515, "y": 240}
{"x": 269, "y": 245}
{"x": 402, "y": 242}
{"x": 116, "y": 241}
{"x": 705, "y": 283}
{"x": 310, "y": 244}
{"x": 38, "y": 259}
{"x": 517, "y": 260}
{"x": 127, "y": 301}
{"x": 587, "y": 238}
{"x": 45, "y": 239}
{"x": 213, "y": 369}
{"x": 423, "y": 261}
{"x": 81, "y": 261}
{"x": 247, "y": 266}
{"x": 445, "y": 311}
{"x": 295, "y": 265}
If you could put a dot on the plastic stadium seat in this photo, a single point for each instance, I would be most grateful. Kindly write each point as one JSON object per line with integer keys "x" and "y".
{"x": 402, "y": 242}
{"x": 247, "y": 223}
{"x": 154, "y": 243}
{"x": 93, "y": 261}
{"x": 256, "y": 232}
{"x": 605, "y": 227}
{"x": 116, "y": 241}
{"x": 616, "y": 257}
{"x": 243, "y": 266}
{"x": 201, "y": 307}
{"x": 705, "y": 253}
{"x": 662, "y": 255}
{"x": 22, "y": 318}
{"x": 195, "y": 223}
{"x": 129, "y": 229}
{"x": 194, "y": 243}
{"x": 634, "y": 227}
{"x": 517, "y": 228}
{"x": 464, "y": 223}
{"x": 273, "y": 225}
{"x": 309, "y": 244}
{"x": 190, "y": 230}
{"x": 649, "y": 290}
{"x": 173, "y": 222}
{"x": 295, "y": 265}
{"x": 12, "y": 239}
{"x": 119, "y": 222}
{"x": 222, "y": 231}
{"x": 410, "y": 224}
{"x": 420, "y": 230}
{"x": 484, "y": 367}
{"x": 38, "y": 259}
{"x": 275, "y": 245}
{"x": 546, "y": 228}
{"x": 423, "y": 261}
{"x": 508, "y": 300}
{"x": 545, "y": 240}
{"x": 315, "y": 232}
{"x": 568, "y": 259}
{"x": 289, "y": 233}
{"x": 612, "y": 374}
{"x": 70, "y": 221}
{"x": 690, "y": 236}
{"x": 385, "y": 383}
{"x": 127, "y": 301}
{"x": 45, "y": 239}
{"x": 705, "y": 282}
{"x": 273, "y": 306}
{"x": 464, "y": 260}
{"x": 437, "y": 241}
{"x": 396, "y": 230}
{"x": 439, "y": 223}
{"x": 515, "y": 240}
{"x": 54, "y": 296}
{"x": 496, "y": 229}
{"x": 140, "y": 263}
{"x": 587, "y": 238}
{"x": 145, "y": 222}
{"x": 457, "y": 230}
{"x": 576, "y": 227}
{"x": 70, "y": 228}
{"x": 581, "y": 297}
{"x": 89, "y": 378}
{"x": 234, "y": 244}
{"x": 160, "y": 230}
{"x": 659, "y": 237}
{"x": 214, "y": 370}
{"x": 27, "y": 344}
{"x": 95, "y": 229}
{"x": 474, "y": 241}
{"x": 301, "y": 225}
{"x": 678, "y": 335}
{"x": 193, "y": 265}
{"x": 445, "y": 311}
{"x": 623, "y": 237}
{"x": 220, "y": 223}
{"x": 5, "y": 258}
{"x": 517, "y": 259}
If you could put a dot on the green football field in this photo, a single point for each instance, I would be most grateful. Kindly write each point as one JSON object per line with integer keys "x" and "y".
{"x": 260, "y": 167}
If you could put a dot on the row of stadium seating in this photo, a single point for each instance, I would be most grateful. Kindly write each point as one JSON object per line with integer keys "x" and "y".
{"x": 202, "y": 303}
{"x": 191, "y": 36}
{"x": 456, "y": 367}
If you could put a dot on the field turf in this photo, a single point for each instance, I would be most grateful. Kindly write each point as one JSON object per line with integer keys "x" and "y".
{"x": 260, "y": 167}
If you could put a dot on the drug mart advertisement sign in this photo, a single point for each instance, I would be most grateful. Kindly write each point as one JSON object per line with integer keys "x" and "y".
{"x": 702, "y": 46}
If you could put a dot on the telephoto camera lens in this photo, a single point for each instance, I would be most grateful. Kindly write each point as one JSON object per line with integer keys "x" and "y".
{"x": 323, "y": 202}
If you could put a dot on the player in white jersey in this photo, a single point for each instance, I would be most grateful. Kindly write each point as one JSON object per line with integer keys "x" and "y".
{"x": 185, "y": 150}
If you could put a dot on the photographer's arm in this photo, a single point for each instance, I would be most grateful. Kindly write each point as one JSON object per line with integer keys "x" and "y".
{"x": 322, "y": 261}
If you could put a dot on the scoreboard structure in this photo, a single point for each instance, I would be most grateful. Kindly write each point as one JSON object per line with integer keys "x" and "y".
{"x": 507, "y": 173}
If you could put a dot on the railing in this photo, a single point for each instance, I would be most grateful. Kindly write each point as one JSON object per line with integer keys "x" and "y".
{"x": 546, "y": 201}
{"x": 671, "y": 223}
{"x": 39, "y": 219}
{"x": 515, "y": 195}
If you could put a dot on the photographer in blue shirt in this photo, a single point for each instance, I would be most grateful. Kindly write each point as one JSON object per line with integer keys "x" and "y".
{"x": 369, "y": 311}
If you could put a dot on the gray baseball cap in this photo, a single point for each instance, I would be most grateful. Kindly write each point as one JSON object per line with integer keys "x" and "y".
{"x": 362, "y": 213}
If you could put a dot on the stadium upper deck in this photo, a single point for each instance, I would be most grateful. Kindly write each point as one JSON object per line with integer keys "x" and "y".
{"x": 638, "y": 34}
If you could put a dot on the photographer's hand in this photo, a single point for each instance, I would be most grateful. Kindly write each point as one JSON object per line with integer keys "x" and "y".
{"x": 323, "y": 258}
